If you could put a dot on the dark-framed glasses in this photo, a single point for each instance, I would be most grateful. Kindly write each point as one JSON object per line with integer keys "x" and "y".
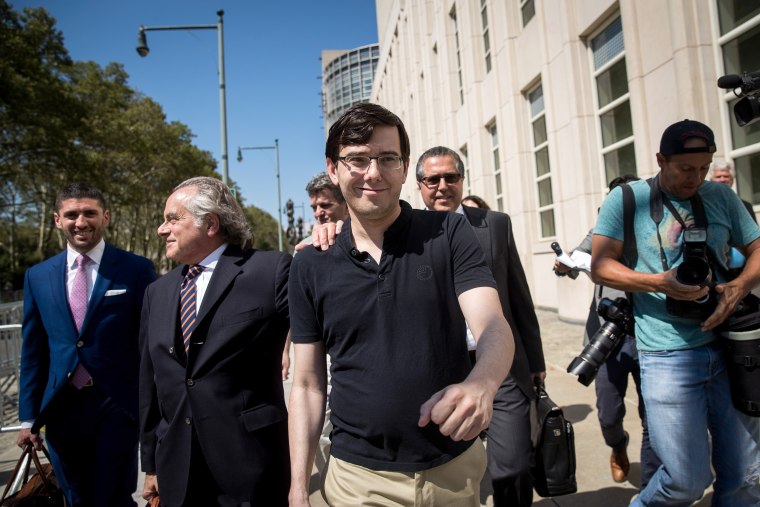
{"x": 434, "y": 180}
{"x": 361, "y": 163}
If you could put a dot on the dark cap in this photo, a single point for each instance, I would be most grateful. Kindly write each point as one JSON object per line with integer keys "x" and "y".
{"x": 677, "y": 134}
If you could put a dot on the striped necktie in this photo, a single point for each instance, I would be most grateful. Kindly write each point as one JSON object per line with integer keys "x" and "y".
{"x": 187, "y": 313}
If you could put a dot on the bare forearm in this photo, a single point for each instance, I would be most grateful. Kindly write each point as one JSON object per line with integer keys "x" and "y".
{"x": 307, "y": 413}
{"x": 613, "y": 274}
{"x": 495, "y": 353}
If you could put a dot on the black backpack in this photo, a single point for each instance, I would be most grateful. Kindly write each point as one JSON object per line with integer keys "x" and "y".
{"x": 554, "y": 468}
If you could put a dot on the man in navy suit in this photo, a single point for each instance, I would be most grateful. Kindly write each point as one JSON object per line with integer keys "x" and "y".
{"x": 440, "y": 172}
{"x": 80, "y": 355}
{"x": 212, "y": 410}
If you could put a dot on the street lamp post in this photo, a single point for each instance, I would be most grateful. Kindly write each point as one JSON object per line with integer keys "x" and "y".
{"x": 276, "y": 149}
{"x": 143, "y": 50}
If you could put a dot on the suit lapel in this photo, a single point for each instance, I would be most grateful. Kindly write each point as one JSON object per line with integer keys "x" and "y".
{"x": 59, "y": 296}
{"x": 224, "y": 274}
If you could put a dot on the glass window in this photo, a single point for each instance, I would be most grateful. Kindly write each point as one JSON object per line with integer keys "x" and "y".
{"x": 542, "y": 161}
{"x": 616, "y": 124}
{"x": 619, "y": 162}
{"x": 743, "y": 53}
{"x": 747, "y": 180}
{"x": 528, "y": 10}
{"x": 486, "y": 41}
{"x": 545, "y": 192}
{"x": 608, "y": 44}
{"x": 539, "y": 131}
{"x": 612, "y": 83}
{"x": 547, "y": 223}
{"x": 453, "y": 16}
{"x": 733, "y": 13}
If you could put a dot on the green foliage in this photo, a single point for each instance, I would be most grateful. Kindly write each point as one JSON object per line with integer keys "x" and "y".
{"x": 63, "y": 121}
{"x": 264, "y": 228}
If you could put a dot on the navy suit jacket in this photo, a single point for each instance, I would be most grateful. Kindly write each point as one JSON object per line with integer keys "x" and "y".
{"x": 228, "y": 393}
{"x": 108, "y": 344}
{"x": 494, "y": 233}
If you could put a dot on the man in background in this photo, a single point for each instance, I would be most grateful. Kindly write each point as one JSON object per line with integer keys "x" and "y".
{"x": 440, "y": 172}
{"x": 80, "y": 357}
{"x": 722, "y": 171}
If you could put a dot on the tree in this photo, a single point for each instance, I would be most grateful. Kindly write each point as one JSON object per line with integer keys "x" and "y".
{"x": 264, "y": 228}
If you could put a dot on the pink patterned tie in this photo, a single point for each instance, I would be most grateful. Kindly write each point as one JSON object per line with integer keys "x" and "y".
{"x": 78, "y": 306}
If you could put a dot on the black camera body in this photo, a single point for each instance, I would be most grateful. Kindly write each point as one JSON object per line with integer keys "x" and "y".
{"x": 747, "y": 108}
{"x": 694, "y": 270}
{"x": 618, "y": 316}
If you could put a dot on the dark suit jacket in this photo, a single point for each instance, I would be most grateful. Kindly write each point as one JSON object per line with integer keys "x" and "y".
{"x": 107, "y": 345}
{"x": 494, "y": 232}
{"x": 229, "y": 390}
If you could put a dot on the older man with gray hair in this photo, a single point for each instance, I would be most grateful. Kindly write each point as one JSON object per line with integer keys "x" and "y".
{"x": 722, "y": 171}
{"x": 212, "y": 411}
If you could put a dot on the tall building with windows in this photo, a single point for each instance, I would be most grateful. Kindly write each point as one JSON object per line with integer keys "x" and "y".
{"x": 548, "y": 100}
{"x": 346, "y": 80}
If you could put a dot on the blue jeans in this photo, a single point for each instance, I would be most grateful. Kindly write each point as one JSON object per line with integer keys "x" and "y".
{"x": 611, "y": 384}
{"x": 687, "y": 394}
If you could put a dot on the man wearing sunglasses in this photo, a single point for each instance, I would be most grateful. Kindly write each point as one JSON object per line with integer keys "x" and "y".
{"x": 440, "y": 172}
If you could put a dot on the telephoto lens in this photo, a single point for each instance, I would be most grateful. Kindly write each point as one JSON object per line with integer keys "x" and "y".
{"x": 619, "y": 323}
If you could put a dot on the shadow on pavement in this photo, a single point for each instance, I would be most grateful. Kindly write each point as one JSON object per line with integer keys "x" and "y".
{"x": 608, "y": 497}
{"x": 577, "y": 413}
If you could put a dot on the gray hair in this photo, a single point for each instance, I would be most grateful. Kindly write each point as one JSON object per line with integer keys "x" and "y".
{"x": 215, "y": 197}
{"x": 722, "y": 165}
{"x": 321, "y": 182}
{"x": 439, "y": 151}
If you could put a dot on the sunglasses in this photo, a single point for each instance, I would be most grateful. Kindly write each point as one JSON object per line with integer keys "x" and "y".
{"x": 433, "y": 181}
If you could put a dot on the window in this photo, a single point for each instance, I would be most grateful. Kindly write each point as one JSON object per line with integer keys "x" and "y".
{"x": 613, "y": 108}
{"x": 528, "y": 10}
{"x": 467, "y": 182}
{"x": 486, "y": 40}
{"x": 543, "y": 174}
{"x": 458, "y": 52}
{"x": 494, "y": 135}
{"x": 739, "y": 40}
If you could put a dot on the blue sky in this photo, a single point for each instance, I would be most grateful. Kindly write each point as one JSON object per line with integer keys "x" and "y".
{"x": 273, "y": 71}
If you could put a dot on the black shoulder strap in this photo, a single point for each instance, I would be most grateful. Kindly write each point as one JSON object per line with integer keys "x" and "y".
{"x": 630, "y": 251}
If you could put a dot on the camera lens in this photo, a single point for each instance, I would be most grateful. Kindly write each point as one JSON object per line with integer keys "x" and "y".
{"x": 693, "y": 271}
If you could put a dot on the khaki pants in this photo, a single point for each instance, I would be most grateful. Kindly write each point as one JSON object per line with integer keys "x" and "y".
{"x": 456, "y": 483}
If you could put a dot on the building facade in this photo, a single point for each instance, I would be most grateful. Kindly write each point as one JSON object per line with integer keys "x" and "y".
{"x": 547, "y": 100}
{"x": 346, "y": 79}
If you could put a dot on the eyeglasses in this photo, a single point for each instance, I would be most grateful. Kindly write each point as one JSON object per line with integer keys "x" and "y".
{"x": 361, "y": 163}
{"x": 449, "y": 178}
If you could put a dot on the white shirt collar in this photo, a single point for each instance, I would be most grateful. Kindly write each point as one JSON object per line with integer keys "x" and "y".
{"x": 95, "y": 255}
{"x": 210, "y": 261}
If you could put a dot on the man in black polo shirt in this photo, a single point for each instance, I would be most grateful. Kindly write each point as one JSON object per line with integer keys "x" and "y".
{"x": 389, "y": 302}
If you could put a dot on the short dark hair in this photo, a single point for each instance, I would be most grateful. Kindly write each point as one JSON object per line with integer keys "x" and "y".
{"x": 321, "y": 182}
{"x": 356, "y": 125}
{"x": 438, "y": 151}
{"x": 626, "y": 178}
{"x": 79, "y": 190}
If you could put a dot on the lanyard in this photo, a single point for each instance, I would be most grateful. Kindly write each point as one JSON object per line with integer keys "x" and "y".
{"x": 657, "y": 199}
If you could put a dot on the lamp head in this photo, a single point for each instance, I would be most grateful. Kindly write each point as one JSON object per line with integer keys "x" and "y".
{"x": 240, "y": 155}
{"x": 142, "y": 44}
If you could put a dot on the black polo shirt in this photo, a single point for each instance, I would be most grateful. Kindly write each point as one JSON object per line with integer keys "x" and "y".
{"x": 394, "y": 332}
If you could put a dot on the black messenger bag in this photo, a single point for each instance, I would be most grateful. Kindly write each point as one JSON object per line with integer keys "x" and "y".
{"x": 554, "y": 468}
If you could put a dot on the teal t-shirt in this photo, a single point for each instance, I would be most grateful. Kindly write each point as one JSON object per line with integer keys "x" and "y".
{"x": 729, "y": 224}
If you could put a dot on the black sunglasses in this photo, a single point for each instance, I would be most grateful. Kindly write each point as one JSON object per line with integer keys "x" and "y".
{"x": 449, "y": 178}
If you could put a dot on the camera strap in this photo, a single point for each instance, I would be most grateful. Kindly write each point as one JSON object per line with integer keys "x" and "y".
{"x": 658, "y": 199}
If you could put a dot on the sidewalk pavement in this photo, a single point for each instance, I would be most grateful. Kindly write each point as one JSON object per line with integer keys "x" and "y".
{"x": 562, "y": 341}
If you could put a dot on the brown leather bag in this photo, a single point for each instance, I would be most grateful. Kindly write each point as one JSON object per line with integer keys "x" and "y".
{"x": 153, "y": 502}
{"x": 41, "y": 490}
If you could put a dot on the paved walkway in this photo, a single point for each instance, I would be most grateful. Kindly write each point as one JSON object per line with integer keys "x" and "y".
{"x": 562, "y": 341}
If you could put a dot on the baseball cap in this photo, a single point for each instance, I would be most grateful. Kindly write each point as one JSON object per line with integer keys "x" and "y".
{"x": 674, "y": 137}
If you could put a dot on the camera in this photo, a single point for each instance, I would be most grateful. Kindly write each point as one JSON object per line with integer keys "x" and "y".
{"x": 694, "y": 270}
{"x": 747, "y": 108}
{"x": 618, "y": 316}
